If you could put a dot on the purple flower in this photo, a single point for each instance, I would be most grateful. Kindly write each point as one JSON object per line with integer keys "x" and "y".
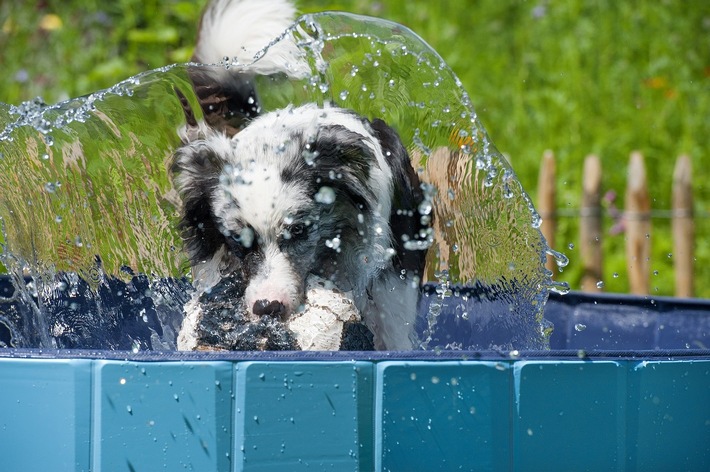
{"x": 21, "y": 76}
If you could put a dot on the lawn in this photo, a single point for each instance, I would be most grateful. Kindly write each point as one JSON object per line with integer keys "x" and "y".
{"x": 578, "y": 77}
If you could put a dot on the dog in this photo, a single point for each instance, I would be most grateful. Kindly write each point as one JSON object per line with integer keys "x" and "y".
{"x": 274, "y": 197}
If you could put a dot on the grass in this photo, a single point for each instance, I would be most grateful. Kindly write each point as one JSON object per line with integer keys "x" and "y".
{"x": 575, "y": 76}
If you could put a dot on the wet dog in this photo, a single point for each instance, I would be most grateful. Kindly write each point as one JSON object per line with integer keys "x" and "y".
{"x": 306, "y": 190}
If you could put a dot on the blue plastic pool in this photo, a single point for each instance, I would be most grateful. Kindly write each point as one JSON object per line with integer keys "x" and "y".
{"x": 630, "y": 391}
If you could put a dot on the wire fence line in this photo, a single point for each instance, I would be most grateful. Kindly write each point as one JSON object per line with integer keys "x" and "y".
{"x": 634, "y": 220}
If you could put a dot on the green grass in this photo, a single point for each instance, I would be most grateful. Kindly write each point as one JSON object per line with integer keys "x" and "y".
{"x": 578, "y": 77}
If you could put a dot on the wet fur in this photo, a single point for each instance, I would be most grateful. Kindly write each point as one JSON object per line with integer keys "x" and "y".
{"x": 298, "y": 191}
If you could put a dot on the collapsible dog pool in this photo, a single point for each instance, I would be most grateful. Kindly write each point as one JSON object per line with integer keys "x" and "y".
{"x": 629, "y": 392}
{"x": 90, "y": 379}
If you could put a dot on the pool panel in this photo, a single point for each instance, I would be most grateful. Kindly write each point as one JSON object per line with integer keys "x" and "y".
{"x": 161, "y": 416}
{"x": 45, "y": 415}
{"x": 303, "y": 416}
{"x": 443, "y": 415}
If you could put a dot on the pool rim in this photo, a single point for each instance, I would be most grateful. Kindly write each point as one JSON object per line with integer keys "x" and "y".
{"x": 356, "y": 356}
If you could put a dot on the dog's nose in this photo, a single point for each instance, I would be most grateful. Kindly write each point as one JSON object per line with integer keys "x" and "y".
{"x": 266, "y": 307}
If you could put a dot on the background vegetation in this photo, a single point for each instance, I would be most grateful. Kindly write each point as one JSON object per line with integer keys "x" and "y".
{"x": 574, "y": 76}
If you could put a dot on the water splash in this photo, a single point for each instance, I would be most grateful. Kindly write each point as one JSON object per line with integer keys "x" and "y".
{"x": 112, "y": 210}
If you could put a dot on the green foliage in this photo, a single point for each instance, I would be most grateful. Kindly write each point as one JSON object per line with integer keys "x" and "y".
{"x": 64, "y": 49}
{"x": 575, "y": 76}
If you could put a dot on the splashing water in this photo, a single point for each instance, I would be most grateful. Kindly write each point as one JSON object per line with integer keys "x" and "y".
{"x": 87, "y": 207}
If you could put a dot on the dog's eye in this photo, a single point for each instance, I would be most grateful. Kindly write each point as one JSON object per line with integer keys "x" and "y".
{"x": 295, "y": 231}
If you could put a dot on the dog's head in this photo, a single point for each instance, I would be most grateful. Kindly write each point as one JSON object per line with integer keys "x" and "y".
{"x": 301, "y": 190}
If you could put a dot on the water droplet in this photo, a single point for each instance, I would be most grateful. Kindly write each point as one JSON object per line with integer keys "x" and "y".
{"x": 309, "y": 156}
{"x": 580, "y": 327}
{"x": 560, "y": 259}
{"x": 344, "y": 94}
{"x": 435, "y": 380}
{"x": 536, "y": 221}
{"x": 600, "y": 284}
{"x": 246, "y": 237}
{"x": 570, "y": 245}
{"x": 425, "y": 207}
{"x": 325, "y": 195}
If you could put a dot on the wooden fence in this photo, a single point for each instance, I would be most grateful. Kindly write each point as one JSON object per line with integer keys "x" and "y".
{"x": 636, "y": 218}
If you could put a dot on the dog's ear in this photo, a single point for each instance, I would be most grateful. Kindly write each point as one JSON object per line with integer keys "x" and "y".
{"x": 406, "y": 223}
{"x": 196, "y": 168}
{"x": 228, "y": 99}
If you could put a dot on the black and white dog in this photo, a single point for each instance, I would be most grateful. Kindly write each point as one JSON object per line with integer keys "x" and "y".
{"x": 275, "y": 197}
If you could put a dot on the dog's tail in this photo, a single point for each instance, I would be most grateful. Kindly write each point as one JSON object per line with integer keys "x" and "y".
{"x": 251, "y": 35}
{"x": 239, "y": 30}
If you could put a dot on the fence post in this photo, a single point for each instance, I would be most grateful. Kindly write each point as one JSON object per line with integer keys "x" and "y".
{"x": 683, "y": 227}
{"x": 637, "y": 215}
{"x": 547, "y": 203}
{"x": 590, "y": 227}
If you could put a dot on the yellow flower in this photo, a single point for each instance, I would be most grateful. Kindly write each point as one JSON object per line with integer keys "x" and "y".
{"x": 656, "y": 83}
{"x": 8, "y": 26}
{"x": 50, "y": 22}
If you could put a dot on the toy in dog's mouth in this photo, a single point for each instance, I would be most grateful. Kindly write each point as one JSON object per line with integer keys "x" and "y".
{"x": 219, "y": 320}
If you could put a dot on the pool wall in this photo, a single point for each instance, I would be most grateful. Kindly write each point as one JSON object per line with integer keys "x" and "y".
{"x": 84, "y": 411}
